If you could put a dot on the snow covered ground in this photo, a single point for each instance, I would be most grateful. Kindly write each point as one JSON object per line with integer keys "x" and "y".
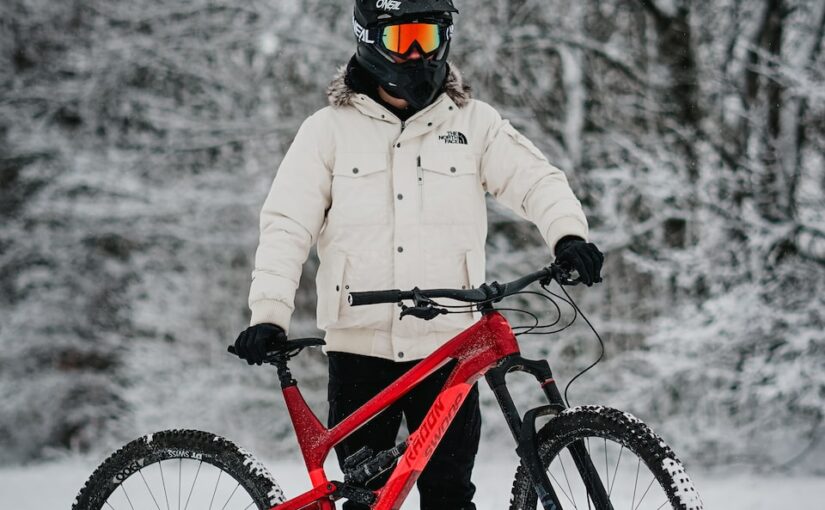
{"x": 54, "y": 485}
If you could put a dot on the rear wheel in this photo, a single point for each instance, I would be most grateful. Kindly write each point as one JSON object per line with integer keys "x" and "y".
{"x": 637, "y": 469}
{"x": 180, "y": 469}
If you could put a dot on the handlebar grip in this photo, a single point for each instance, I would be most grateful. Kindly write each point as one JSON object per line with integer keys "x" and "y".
{"x": 374, "y": 297}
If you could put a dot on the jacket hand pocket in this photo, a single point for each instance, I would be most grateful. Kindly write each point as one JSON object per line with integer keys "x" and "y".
{"x": 329, "y": 285}
{"x": 452, "y": 271}
{"x": 352, "y": 272}
{"x": 477, "y": 273}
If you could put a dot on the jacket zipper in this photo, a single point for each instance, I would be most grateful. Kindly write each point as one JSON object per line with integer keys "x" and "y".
{"x": 420, "y": 172}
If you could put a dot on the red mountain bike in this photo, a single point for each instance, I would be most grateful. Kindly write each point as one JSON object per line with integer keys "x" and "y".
{"x": 589, "y": 456}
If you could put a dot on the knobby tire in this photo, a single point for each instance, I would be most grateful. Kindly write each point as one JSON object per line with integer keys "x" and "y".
{"x": 204, "y": 447}
{"x": 581, "y": 423}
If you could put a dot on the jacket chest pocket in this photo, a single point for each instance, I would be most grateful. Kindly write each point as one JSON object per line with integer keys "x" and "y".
{"x": 361, "y": 189}
{"x": 450, "y": 189}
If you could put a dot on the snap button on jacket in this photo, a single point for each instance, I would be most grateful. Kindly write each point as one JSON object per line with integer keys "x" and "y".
{"x": 340, "y": 185}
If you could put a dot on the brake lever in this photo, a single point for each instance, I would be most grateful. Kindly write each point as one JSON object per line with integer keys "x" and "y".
{"x": 571, "y": 279}
{"x": 426, "y": 312}
{"x": 562, "y": 275}
{"x": 424, "y": 307}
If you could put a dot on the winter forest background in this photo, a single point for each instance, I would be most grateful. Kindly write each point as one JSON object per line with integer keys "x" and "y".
{"x": 139, "y": 138}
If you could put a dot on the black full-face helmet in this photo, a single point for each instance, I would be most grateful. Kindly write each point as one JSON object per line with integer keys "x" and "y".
{"x": 388, "y": 31}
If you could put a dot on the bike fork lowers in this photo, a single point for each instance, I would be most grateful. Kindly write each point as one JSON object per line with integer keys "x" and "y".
{"x": 524, "y": 431}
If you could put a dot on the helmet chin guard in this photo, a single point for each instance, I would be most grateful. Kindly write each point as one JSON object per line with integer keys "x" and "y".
{"x": 417, "y": 81}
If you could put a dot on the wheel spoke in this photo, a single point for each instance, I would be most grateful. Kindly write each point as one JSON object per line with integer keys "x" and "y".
{"x": 561, "y": 461}
{"x": 645, "y": 493}
{"x": 180, "y": 461}
{"x": 559, "y": 486}
{"x": 127, "y": 497}
{"x": 230, "y": 496}
{"x": 660, "y": 506}
{"x": 140, "y": 472}
{"x": 218, "y": 481}
{"x": 163, "y": 480}
{"x": 606, "y": 467}
{"x": 635, "y": 484}
{"x": 613, "y": 481}
{"x": 200, "y": 463}
{"x": 587, "y": 479}
{"x": 109, "y": 505}
{"x": 587, "y": 440}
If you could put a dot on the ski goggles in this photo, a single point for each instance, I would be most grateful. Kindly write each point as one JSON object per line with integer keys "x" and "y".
{"x": 401, "y": 38}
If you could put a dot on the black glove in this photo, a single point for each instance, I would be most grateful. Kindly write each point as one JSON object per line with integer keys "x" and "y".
{"x": 253, "y": 344}
{"x": 575, "y": 253}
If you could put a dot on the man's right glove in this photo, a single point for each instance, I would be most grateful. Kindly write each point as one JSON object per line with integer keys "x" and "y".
{"x": 253, "y": 344}
{"x": 576, "y": 253}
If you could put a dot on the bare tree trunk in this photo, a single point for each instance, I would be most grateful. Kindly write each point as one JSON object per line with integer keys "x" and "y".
{"x": 677, "y": 54}
{"x": 771, "y": 195}
{"x": 573, "y": 79}
{"x": 797, "y": 130}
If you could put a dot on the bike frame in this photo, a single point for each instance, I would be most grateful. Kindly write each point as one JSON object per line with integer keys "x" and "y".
{"x": 488, "y": 347}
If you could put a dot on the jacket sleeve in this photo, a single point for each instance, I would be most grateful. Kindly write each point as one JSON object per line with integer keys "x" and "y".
{"x": 291, "y": 219}
{"x": 518, "y": 175}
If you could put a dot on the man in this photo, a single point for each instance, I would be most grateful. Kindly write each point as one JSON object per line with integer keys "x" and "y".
{"x": 390, "y": 181}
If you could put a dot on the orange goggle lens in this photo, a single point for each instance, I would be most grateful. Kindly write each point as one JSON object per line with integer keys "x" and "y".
{"x": 400, "y": 38}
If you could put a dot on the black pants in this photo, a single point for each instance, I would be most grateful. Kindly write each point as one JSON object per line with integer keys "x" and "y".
{"x": 445, "y": 483}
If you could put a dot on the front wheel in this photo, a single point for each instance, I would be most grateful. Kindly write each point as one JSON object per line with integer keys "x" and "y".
{"x": 634, "y": 466}
{"x": 180, "y": 469}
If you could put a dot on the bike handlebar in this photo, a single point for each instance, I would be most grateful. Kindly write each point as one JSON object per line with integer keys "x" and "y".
{"x": 376, "y": 297}
{"x": 494, "y": 291}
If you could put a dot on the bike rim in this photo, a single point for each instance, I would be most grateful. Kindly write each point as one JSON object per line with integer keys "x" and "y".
{"x": 627, "y": 480}
{"x": 179, "y": 484}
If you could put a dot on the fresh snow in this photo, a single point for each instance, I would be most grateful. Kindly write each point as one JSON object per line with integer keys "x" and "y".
{"x": 54, "y": 485}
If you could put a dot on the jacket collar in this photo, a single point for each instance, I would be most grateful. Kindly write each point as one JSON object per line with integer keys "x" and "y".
{"x": 340, "y": 94}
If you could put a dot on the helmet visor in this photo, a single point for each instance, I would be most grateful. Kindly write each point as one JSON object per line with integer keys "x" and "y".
{"x": 400, "y": 39}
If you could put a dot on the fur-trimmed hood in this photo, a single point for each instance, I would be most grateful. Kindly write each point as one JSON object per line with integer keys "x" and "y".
{"x": 341, "y": 94}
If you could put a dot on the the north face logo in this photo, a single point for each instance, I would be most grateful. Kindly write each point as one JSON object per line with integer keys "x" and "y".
{"x": 454, "y": 137}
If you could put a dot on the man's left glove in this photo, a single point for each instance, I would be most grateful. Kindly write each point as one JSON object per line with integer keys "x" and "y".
{"x": 253, "y": 344}
{"x": 576, "y": 253}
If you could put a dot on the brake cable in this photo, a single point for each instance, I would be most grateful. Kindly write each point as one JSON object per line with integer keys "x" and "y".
{"x": 593, "y": 329}
{"x": 468, "y": 308}
{"x": 529, "y": 329}
{"x": 573, "y": 320}
{"x": 532, "y": 330}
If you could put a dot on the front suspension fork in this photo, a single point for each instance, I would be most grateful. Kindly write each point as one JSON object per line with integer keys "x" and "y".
{"x": 525, "y": 434}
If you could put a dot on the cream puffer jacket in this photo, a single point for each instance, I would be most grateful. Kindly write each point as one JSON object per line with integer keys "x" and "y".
{"x": 395, "y": 205}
